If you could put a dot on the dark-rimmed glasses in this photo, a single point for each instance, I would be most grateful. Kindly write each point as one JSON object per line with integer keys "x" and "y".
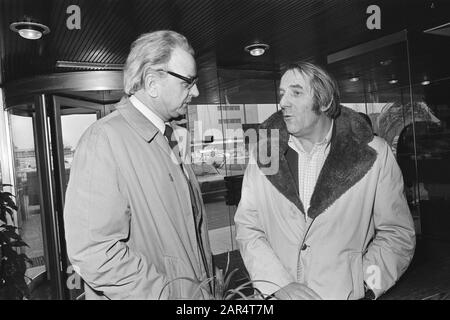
{"x": 190, "y": 81}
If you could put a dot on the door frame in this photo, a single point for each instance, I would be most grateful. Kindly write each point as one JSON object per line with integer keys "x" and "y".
{"x": 61, "y": 106}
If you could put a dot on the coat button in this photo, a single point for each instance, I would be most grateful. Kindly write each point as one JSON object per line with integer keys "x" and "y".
{"x": 304, "y": 247}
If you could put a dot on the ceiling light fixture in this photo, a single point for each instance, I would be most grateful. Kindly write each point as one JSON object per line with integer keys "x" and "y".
{"x": 425, "y": 82}
{"x": 257, "y": 49}
{"x": 354, "y": 79}
{"x": 393, "y": 81}
{"x": 88, "y": 65}
{"x": 385, "y": 63}
{"x": 29, "y": 30}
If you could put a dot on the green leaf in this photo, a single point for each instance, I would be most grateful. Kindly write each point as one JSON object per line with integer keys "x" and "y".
{"x": 9, "y": 194}
{"x": 10, "y": 227}
{"x": 25, "y": 258}
{"x": 228, "y": 278}
{"x": 176, "y": 279}
{"x": 19, "y": 243}
{"x": 203, "y": 285}
{"x": 9, "y": 211}
{"x": 12, "y": 234}
{"x": 4, "y": 238}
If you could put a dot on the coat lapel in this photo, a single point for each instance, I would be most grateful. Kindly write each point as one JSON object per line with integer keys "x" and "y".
{"x": 284, "y": 179}
{"x": 349, "y": 160}
{"x": 292, "y": 160}
{"x": 144, "y": 127}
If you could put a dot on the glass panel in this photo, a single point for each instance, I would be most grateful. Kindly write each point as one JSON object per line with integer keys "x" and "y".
{"x": 75, "y": 119}
{"x": 28, "y": 193}
{"x": 431, "y": 133}
{"x": 381, "y": 93}
{"x": 220, "y": 150}
{"x": 73, "y": 126}
{"x": 208, "y": 162}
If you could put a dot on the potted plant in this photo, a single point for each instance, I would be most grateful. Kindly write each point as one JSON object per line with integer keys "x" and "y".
{"x": 221, "y": 289}
{"x": 12, "y": 263}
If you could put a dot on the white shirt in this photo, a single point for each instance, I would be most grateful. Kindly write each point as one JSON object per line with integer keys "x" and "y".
{"x": 309, "y": 165}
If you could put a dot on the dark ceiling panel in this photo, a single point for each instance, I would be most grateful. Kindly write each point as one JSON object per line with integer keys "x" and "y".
{"x": 219, "y": 30}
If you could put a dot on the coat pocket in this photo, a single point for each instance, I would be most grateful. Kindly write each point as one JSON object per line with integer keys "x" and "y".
{"x": 356, "y": 267}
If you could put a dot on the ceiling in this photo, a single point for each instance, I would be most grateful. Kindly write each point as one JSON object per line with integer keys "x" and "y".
{"x": 218, "y": 30}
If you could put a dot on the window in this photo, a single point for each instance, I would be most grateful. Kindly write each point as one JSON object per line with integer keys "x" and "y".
{"x": 228, "y": 121}
{"x": 228, "y": 108}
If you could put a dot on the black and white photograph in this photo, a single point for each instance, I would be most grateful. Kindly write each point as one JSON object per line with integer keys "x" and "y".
{"x": 225, "y": 154}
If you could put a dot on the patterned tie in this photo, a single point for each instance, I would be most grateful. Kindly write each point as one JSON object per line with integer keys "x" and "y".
{"x": 168, "y": 133}
{"x": 198, "y": 218}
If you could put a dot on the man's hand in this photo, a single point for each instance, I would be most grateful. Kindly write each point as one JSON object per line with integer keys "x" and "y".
{"x": 296, "y": 291}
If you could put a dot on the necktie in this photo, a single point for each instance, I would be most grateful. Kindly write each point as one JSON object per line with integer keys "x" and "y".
{"x": 168, "y": 133}
{"x": 173, "y": 143}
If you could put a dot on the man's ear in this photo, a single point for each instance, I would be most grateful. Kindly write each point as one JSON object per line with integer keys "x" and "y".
{"x": 150, "y": 85}
{"x": 324, "y": 109}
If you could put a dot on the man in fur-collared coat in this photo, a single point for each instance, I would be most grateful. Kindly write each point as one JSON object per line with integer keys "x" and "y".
{"x": 332, "y": 221}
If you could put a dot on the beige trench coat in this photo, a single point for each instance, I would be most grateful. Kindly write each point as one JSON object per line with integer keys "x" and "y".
{"x": 128, "y": 220}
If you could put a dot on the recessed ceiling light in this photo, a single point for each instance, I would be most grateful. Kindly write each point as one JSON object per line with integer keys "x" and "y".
{"x": 425, "y": 82}
{"x": 393, "y": 81}
{"x": 257, "y": 49}
{"x": 29, "y": 30}
{"x": 354, "y": 79}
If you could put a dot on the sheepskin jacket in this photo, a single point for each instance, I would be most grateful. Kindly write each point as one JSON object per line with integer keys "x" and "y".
{"x": 360, "y": 233}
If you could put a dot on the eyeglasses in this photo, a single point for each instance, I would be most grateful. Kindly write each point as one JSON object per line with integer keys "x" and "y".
{"x": 190, "y": 81}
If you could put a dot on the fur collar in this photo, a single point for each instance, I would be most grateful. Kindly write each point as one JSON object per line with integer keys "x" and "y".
{"x": 350, "y": 158}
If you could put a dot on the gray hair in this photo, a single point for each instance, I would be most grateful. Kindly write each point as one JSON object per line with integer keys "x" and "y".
{"x": 325, "y": 88}
{"x": 148, "y": 51}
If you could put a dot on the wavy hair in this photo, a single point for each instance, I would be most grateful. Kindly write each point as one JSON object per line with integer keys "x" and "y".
{"x": 149, "y": 51}
{"x": 325, "y": 88}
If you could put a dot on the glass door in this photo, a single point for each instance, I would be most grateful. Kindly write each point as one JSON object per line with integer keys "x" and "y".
{"x": 45, "y": 131}
{"x": 68, "y": 120}
{"x": 33, "y": 188}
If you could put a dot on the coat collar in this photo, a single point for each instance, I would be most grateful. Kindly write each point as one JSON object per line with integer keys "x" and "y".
{"x": 350, "y": 158}
{"x": 144, "y": 127}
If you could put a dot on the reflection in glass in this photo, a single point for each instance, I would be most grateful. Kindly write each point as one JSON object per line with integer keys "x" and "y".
{"x": 73, "y": 127}
{"x": 427, "y": 144}
{"x": 28, "y": 192}
{"x": 219, "y": 149}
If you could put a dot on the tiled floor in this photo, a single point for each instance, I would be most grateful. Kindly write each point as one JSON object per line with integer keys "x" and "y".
{"x": 31, "y": 231}
{"x": 219, "y": 214}
{"x": 428, "y": 276}
{"x": 223, "y": 239}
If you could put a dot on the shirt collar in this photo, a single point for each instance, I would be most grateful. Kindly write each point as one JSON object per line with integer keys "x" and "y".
{"x": 299, "y": 147}
{"x": 149, "y": 114}
{"x": 327, "y": 138}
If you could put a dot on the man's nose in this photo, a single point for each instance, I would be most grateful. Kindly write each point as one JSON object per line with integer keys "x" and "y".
{"x": 194, "y": 91}
{"x": 283, "y": 102}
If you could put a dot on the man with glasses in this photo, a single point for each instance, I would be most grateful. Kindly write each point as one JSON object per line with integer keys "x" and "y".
{"x": 134, "y": 216}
